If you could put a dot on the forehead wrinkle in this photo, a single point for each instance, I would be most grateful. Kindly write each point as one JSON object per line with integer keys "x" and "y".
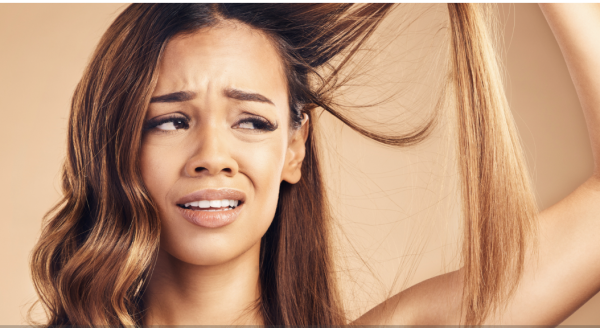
{"x": 201, "y": 83}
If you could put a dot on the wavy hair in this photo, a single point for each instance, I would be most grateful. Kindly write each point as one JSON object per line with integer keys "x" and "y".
{"x": 99, "y": 243}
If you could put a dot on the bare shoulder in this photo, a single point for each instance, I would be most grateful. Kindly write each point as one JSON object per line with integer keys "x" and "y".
{"x": 436, "y": 301}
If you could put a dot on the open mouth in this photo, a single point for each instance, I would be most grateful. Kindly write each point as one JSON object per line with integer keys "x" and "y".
{"x": 211, "y": 205}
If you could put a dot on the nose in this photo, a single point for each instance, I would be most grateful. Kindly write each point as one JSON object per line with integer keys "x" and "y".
{"x": 211, "y": 156}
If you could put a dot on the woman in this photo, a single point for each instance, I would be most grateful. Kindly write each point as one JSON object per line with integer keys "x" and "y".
{"x": 192, "y": 190}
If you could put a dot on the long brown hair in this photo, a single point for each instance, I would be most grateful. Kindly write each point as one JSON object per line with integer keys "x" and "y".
{"x": 98, "y": 245}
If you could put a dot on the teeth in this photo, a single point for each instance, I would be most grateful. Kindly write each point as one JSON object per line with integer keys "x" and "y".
{"x": 213, "y": 204}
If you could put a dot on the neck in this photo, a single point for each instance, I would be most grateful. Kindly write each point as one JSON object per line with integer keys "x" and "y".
{"x": 180, "y": 293}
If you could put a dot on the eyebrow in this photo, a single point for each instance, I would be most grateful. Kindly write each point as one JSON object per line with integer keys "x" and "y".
{"x": 246, "y": 96}
{"x": 179, "y": 96}
{"x": 232, "y": 93}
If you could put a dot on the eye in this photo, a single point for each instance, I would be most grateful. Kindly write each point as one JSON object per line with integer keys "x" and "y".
{"x": 167, "y": 124}
{"x": 256, "y": 123}
{"x": 172, "y": 125}
{"x": 246, "y": 125}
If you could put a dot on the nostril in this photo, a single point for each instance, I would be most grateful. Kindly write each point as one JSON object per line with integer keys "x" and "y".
{"x": 201, "y": 169}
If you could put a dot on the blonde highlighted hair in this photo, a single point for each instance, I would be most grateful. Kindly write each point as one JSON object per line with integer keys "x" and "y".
{"x": 498, "y": 208}
{"x": 94, "y": 257}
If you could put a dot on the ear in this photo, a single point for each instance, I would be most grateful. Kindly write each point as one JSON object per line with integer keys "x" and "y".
{"x": 295, "y": 153}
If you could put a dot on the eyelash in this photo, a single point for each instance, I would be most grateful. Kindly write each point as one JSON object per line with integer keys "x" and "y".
{"x": 258, "y": 122}
{"x": 152, "y": 124}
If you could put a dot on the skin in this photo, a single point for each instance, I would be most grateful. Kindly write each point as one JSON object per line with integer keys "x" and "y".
{"x": 206, "y": 276}
{"x": 210, "y": 275}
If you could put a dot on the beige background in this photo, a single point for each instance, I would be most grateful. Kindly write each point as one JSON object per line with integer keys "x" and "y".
{"x": 410, "y": 192}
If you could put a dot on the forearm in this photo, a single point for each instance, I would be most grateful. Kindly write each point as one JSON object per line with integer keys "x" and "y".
{"x": 577, "y": 31}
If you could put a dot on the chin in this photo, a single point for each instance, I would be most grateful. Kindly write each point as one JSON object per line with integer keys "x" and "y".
{"x": 211, "y": 247}
{"x": 203, "y": 251}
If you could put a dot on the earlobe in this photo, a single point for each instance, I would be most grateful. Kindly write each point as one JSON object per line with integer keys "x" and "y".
{"x": 292, "y": 169}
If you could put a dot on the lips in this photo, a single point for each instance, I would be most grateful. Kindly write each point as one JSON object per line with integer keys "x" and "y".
{"x": 212, "y": 216}
{"x": 212, "y": 194}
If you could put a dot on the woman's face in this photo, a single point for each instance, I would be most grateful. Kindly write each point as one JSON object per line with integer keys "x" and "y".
{"x": 218, "y": 129}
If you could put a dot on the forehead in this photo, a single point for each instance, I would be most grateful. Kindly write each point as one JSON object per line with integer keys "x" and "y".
{"x": 228, "y": 55}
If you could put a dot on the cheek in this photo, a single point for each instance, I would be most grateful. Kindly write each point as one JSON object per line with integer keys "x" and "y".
{"x": 263, "y": 164}
{"x": 159, "y": 168}
{"x": 261, "y": 167}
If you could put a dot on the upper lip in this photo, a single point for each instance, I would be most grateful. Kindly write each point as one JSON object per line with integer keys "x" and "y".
{"x": 213, "y": 194}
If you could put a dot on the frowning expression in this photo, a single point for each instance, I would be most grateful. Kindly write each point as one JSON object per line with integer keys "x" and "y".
{"x": 217, "y": 142}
